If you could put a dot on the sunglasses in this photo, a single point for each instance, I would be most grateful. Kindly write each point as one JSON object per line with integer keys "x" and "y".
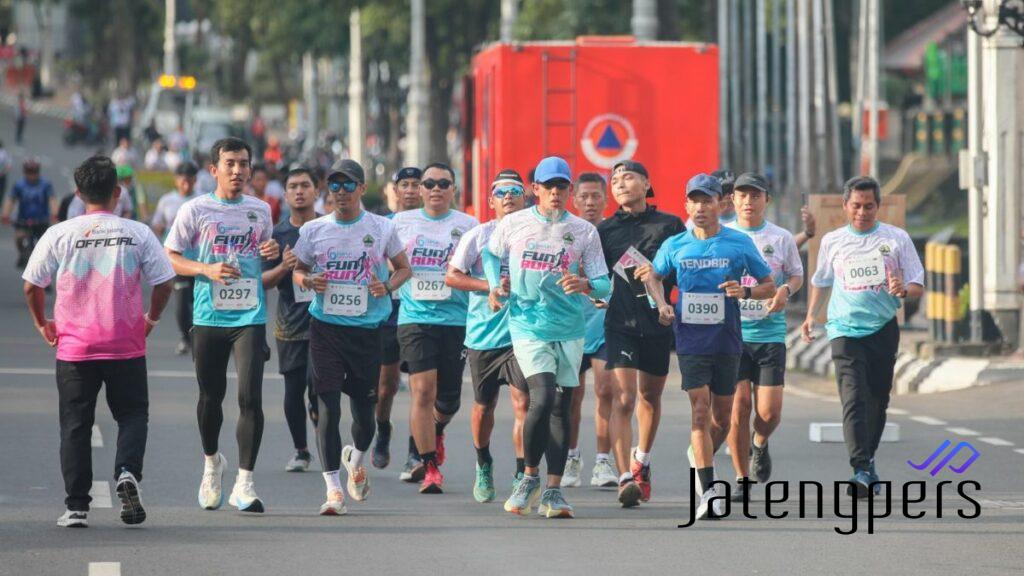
{"x": 560, "y": 185}
{"x": 442, "y": 184}
{"x": 335, "y": 186}
{"x": 513, "y": 191}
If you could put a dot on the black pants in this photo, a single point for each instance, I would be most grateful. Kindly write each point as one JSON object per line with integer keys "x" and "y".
{"x": 78, "y": 386}
{"x": 864, "y": 372}
{"x": 297, "y": 369}
{"x": 211, "y": 349}
{"x": 183, "y": 288}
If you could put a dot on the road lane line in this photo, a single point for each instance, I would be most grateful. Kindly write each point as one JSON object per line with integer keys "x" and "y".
{"x": 1019, "y": 450}
{"x": 897, "y": 411}
{"x": 100, "y": 494}
{"x": 995, "y": 441}
{"x": 97, "y": 437}
{"x": 928, "y": 420}
{"x": 104, "y": 569}
{"x": 963, "y": 431}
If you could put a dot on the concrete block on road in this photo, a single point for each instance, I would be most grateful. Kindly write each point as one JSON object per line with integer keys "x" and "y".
{"x": 833, "y": 432}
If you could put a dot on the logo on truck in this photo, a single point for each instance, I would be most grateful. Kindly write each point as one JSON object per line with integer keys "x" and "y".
{"x": 607, "y": 139}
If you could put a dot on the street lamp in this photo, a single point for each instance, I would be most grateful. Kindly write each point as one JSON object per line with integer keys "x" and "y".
{"x": 1010, "y": 14}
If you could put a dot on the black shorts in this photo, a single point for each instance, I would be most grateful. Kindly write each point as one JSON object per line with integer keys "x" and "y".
{"x": 763, "y": 363}
{"x": 718, "y": 371}
{"x": 389, "y": 345}
{"x": 601, "y": 354}
{"x": 427, "y": 347}
{"x": 292, "y": 355}
{"x": 490, "y": 369}
{"x": 345, "y": 359}
{"x": 649, "y": 355}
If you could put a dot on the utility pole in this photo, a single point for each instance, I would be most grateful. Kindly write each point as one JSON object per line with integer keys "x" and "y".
{"x": 776, "y": 89}
{"x": 509, "y": 15}
{"x": 833, "y": 95}
{"x": 748, "y": 86}
{"x": 791, "y": 100}
{"x": 724, "y": 46}
{"x": 309, "y": 87}
{"x": 762, "y": 86}
{"x": 645, "y": 20}
{"x": 356, "y": 91}
{"x": 821, "y": 147}
{"x": 804, "y": 98}
{"x": 417, "y": 121}
{"x": 736, "y": 142}
{"x": 872, "y": 85}
{"x": 973, "y": 166}
{"x": 170, "y": 45}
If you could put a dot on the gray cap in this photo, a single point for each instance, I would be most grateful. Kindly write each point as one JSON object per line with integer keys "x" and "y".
{"x": 704, "y": 184}
{"x": 348, "y": 168}
{"x": 751, "y": 180}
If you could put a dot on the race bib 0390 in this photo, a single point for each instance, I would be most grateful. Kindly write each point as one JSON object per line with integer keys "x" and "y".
{"x": 703, "y": 308}
{"x": 239, "y": 295}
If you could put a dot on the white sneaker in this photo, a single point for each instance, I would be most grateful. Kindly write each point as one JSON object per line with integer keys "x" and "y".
{"x": 128, "y": 492}
{"x": 73, "y": 519}
{"x": 698, "y": 488}
{"x": 299, "y": 462}
{"x": 210, "y": 495}
{"x": 604, "y": 475}
{"x": 717, "y": 509}
{"x": 358, "y": 481}
{"x": 573, "y": 470}
{"x": 244, "y": 497}
{"x": 335, "y": 504}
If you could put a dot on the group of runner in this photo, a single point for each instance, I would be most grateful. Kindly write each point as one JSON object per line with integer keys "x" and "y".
{"x": 533, "y": 299}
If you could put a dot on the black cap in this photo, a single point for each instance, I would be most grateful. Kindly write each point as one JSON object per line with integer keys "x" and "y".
{"x": 634, "y": 166}
{"x": 348, "y": 168}
{"x": 186, "y": 168}
{"x": 507, "y": 176}
{"x": 407, "y": 173}
{"x": 727, "y": 178}
{"x": 751, "y": 180}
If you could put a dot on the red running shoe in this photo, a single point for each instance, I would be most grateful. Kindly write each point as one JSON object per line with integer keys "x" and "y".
{"x": 440, "y": 449}
{"x": 642, "y": 476}
{"x": 432, "y": 480}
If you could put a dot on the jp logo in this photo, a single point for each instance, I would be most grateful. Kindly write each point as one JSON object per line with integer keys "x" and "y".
{"x": 956, "y": 469}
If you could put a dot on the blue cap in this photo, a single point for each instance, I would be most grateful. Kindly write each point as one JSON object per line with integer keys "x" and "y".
{"x": 704, "y": 184}
{"x": 552, "y": 168}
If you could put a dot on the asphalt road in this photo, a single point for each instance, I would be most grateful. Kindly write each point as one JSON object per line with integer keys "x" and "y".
{"x": 399, "y": 531}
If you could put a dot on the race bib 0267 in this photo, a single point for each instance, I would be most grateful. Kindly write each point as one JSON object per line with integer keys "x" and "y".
{"x": 430, "y": 286}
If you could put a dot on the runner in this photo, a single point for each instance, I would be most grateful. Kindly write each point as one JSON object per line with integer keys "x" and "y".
{"x": 491, "y": 360}
{"x": 405, "y": 196}
{"x": 432, "y": 320}
{"x": 98, "y": 263}
{"x": 125, "y": 207}
{"x": 554, "y": 258}
{"x": 763, "y": 361}
{"x": 259, "y": 187}
{"x": 590, "y": 198}
{"x": 638, "y": 332}
{"x": 344, "y": 257}
{"x": 163, "y": 217}
{"x": 727, "y": 212}
{"x": 864, "y": 272}
{"x": 708, "y": 264}
{"x": 37, "y": 209}
{"x": 292, "y": 328}
{"x": 228, "y": 233}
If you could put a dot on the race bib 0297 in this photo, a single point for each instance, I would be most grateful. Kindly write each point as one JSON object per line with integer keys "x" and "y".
{"x": 239, "y": 295}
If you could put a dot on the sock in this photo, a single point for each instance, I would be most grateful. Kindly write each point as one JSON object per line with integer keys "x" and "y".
{"x": 357, "y": 457}
{"x": 483, "y": 455}
{"x": 244, "y": 476}
{"x": 626, "y": 477}
{"x": 333, "y": 480}
{"x": 644, "y": 458}
{"x": 755, "y": 442}
{"x": 211, "y": 461}
{"x": 521, "y": 466}
{"x": 574, "y": 452}
{"x": 439, "y": 427}
{"x": 601, "y": 457}
{"x": 412, "y": 448}
{"x": 429, "y": 457}
{"x": 707, "y": 476}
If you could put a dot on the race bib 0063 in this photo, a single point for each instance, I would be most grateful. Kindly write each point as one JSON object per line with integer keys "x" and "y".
{"x": 864, "y": 272}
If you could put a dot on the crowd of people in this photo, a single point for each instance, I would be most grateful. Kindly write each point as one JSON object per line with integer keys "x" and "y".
{"x": 546, "y": 291}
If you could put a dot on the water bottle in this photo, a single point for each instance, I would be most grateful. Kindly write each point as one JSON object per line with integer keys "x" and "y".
{"x": 232, "y": 260}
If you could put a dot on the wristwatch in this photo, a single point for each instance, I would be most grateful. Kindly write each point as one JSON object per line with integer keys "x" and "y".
{"x": 746, "y": 292}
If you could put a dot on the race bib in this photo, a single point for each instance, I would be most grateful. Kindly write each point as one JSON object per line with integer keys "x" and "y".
{"x": 345, "y": 299}
{"x": 303, "y": 294}
{"x": 751, "y": 309}
{"x": 430, "y": 286}
{"x": 239, "y": 295}
{"x": 703, "y": 308}
{"x": 864, "y": 272}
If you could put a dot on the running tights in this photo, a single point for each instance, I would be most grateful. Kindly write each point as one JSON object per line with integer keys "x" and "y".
{"x": 546, "y": 430}
{"x": 297, "y": 384}
{"x": 328, "y": 436}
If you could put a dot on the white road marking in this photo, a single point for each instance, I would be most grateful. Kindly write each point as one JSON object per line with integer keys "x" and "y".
{"x": 152, "y": 373}
{"x": 104, "y": 569}
{"x": 928, "y": 420}
{"x": 100, "y": 494}
{"x": 963, "y": 431}
{"x": 1019, "y": 450}
{"x": 897, "y": 411}
{"x": 97, "y": 437}
{"x": 995, "y": 441}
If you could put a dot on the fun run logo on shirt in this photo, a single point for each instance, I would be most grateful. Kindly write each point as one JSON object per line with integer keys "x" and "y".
{"x": 426, "y": 254}
{"x": 542, "y": 258}
{"x": 345, "y": 268}
{"x": 226, "y": 236}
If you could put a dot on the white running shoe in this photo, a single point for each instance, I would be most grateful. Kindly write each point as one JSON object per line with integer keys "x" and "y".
{"x": 299, "y": 462}
{"x": 244, "y": 497}
{"x": 573, "y": 470}
{"x": 358, "y": 481}
{"x": 128, "y": 492}
{"x": 210, "y": 494}
{"x": 604, "y": 475}
{"x": 335, "y": 504}
{"x": 73, "y": 519}
{"x": 699, "y": 488}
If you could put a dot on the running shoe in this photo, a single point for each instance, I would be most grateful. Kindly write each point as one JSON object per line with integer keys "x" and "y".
{"x": 708, "y": 510}
{"x": 642, "y": 476}
{"x": 629, "y": 493}
{"x": 73, "y": 519}
{"x": 433, "y": 481}
{"x": 300, "y": 462}
{"x": 740, "y": 492}
{"x": 210, "y": 494}
{"x": 127, "y": 491}
{"x": 861, "y": 480}
{"x": 516, "y": 479}
{"x": 382, "y": 448}
{"x": 604, "y": 476}
{"x": 183, "y": 347}
{"x": 439, "y": 447}
{"x": 699, "y": 489}
{"x": 358, "y": 481}
{"x": 876, "y": 488}
{"x": 413, "y": 471}
{"x": 335, "y": 504}
{"x": 483, "y": 488}
{"x": 244, "y": 497}
{"x": 573, "y": 471}
{"x": 524, "y": 497}
{"x": 760, "y": 461}
{"x": 553, "y": 504}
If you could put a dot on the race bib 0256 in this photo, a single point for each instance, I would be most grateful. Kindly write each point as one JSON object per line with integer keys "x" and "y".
{"x": 345, "y": 299}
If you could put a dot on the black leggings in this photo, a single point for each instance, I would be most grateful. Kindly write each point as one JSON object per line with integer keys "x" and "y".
{"x": 546, "y": 430}
{"x": 298, "y": 384}
{"x": 328, "y": 436}
{"x": 211, "y": 349}
{"x": 183, "y": 287}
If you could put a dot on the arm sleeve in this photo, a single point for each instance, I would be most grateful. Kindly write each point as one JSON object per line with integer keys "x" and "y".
{"x": 594, "y": 264}
{"x": 910, "y": 262}
{"x": 600, "y": 287}
{"x": 492, "y": 268}
{"x": 180, "y": 238}
{"x": 824, "y": 275}
{"x": 156, "y": 266}
{"x": 43, "y": 264}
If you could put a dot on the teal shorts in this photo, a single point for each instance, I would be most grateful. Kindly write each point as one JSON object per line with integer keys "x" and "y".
{"x": 562, "y": 359}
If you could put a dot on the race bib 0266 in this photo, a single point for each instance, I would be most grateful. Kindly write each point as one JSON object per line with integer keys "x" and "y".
{"x": 751, "y": 309}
